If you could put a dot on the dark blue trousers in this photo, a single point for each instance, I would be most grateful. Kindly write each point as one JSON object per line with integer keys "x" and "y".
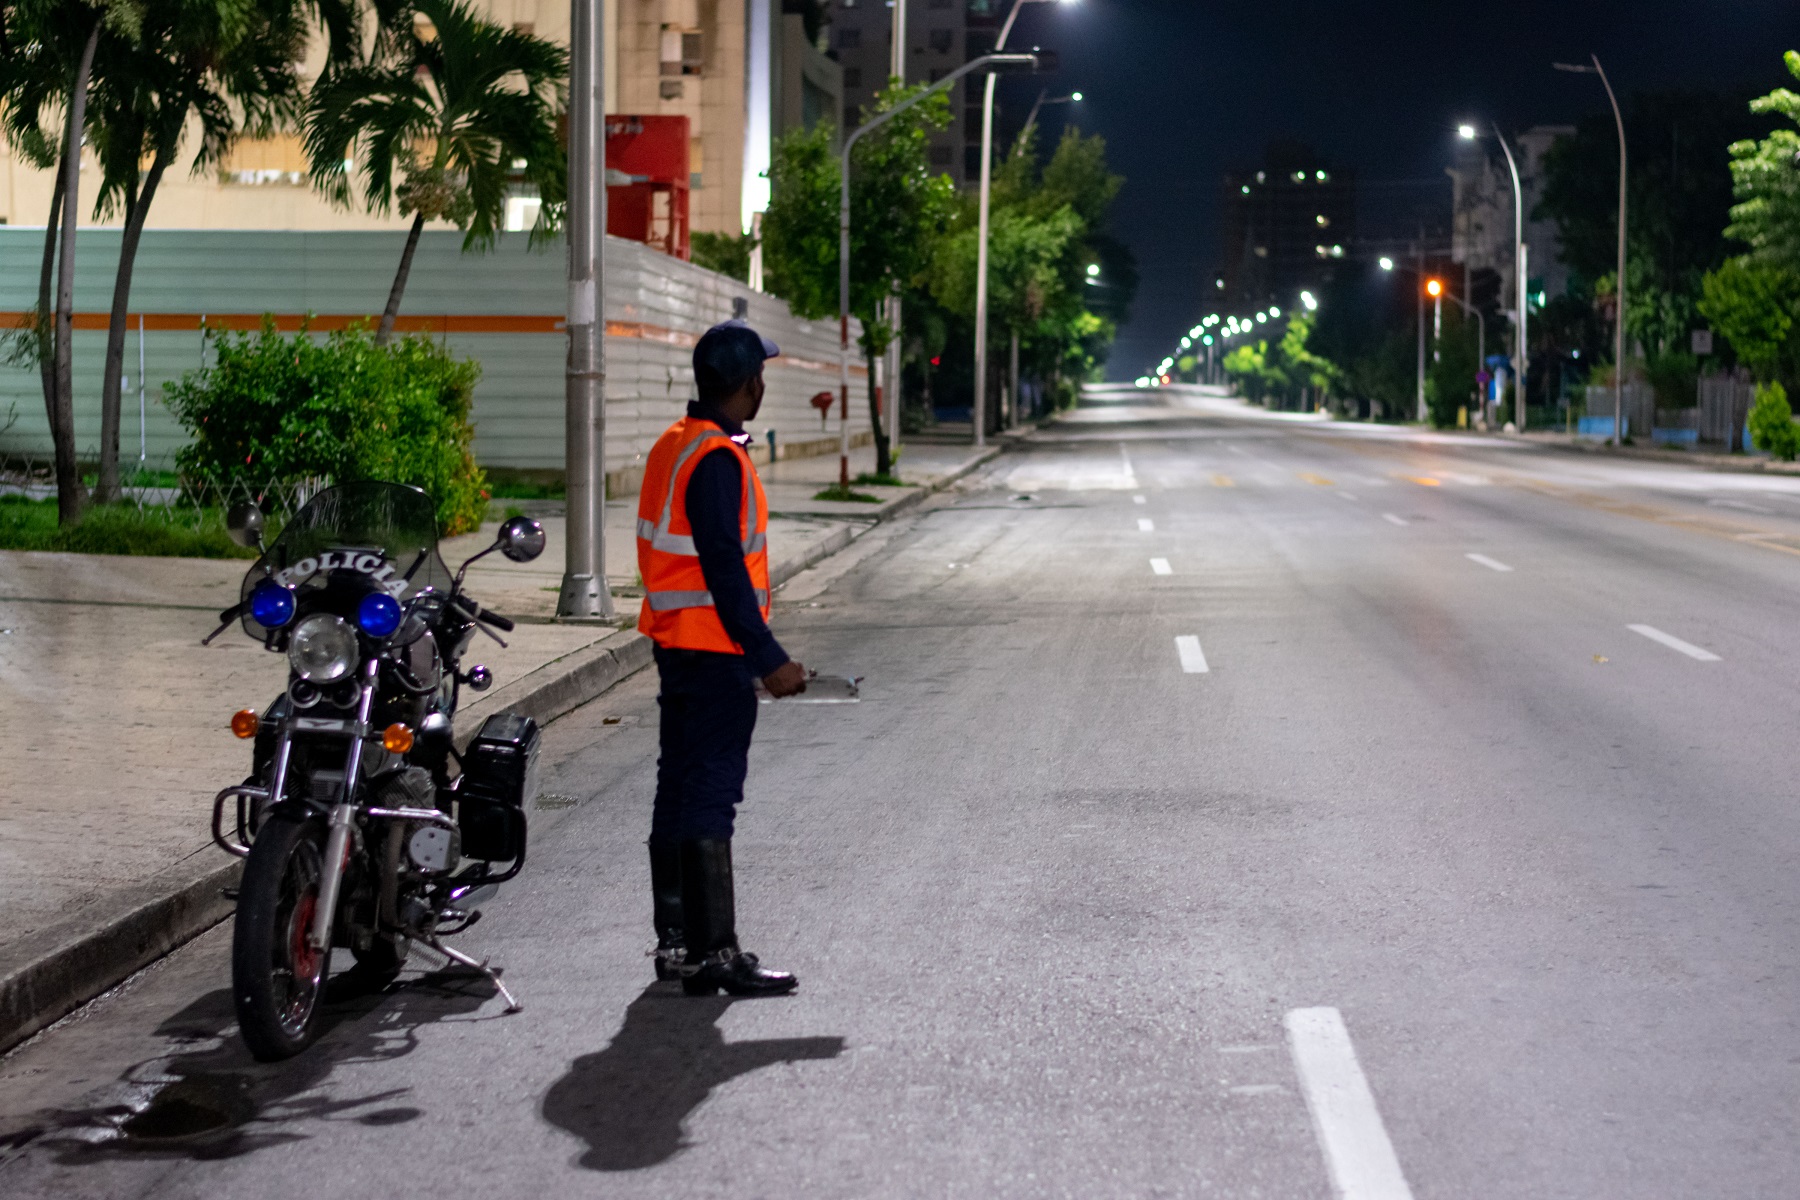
{"x": 708, "y": 714}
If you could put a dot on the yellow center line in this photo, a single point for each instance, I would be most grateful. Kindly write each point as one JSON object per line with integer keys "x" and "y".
{"x": 1223, "y": 481}
{"x": 1316, "y": 480}
{"x": 1421, "y": 480}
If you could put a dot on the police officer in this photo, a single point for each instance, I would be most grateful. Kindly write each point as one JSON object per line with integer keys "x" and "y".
{"x": 702, "y": 540}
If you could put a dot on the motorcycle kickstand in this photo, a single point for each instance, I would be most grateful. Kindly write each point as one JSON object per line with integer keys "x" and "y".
{"x": 512, "y": 1005}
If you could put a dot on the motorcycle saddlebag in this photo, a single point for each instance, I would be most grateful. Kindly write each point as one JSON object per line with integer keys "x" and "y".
{"x": 499, "y": 778}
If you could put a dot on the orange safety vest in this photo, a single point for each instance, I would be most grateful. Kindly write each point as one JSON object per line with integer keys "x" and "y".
{"x": 678, "y": 611}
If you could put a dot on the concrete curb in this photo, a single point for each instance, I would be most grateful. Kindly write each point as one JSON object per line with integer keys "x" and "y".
{"x": 58, "y": 969}
{"x": 1741, "y": 464}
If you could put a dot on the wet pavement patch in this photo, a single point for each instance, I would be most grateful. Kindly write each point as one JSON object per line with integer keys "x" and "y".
{"x": 191, "y": 1108}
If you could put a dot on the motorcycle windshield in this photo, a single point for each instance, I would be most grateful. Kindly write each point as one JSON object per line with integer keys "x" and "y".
{"x": 384, "y": 531}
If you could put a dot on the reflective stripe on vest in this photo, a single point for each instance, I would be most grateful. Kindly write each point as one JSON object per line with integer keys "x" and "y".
{"x": 657, "y": 533}
{"x": 668, "y": 601}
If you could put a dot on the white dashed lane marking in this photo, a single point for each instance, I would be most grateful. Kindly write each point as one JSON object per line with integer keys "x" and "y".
{"x": 1160, "y": 566}
{"x": 1674, "y": 643}
{"x": 1492, "y": 564}
{"x": 1358, "y": 1153}
{"x": 1391, "y": 519}
{"x": 1146, "y": 525}
{"x": 1139, "y": 500}
{"x": 1193, "y": 659}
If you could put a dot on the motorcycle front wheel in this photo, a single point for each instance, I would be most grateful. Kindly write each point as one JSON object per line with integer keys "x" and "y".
{"x": 277, "y": 979}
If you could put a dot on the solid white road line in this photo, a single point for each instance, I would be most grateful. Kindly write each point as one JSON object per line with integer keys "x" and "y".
{"x": 1674, "y": 643}
{"x": 1490, "y": 563}
{"x": 1130, "y": 475}
{"x": 1357, "y": 1151}
{"x": 1347, "y": 495}
{"x": 1391, "y": 519}
{"x": 1139, "y": 500}
{"x": 1193, "y": 659}
{"x": 1146, "y": 525}
{"x": 1160, "y": 566}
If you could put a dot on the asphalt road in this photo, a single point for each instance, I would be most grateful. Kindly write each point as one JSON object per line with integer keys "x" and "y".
{"x": 1237, "y": 807}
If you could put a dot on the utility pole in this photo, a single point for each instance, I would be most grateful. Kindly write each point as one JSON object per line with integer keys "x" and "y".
{"x": 1419, "y": 299}
{"x": 584, "y": 593}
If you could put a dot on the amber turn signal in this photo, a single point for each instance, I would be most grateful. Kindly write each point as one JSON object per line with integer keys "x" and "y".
{"x": 397, "y": 738}
{"x": 245, "y": 723}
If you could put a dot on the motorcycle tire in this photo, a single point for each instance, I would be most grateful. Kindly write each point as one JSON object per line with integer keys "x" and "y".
{"x": 277, "y": 980}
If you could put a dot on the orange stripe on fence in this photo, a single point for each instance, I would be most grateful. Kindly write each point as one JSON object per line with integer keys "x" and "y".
{"x": 440, "y": 324}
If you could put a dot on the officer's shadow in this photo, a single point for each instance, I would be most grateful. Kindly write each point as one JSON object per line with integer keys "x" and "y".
{"x": 630, "y": 1101}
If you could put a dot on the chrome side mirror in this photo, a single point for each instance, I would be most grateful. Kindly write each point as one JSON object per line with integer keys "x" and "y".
{"x": 244, "y": 525}
{"x": 521, "y": 539}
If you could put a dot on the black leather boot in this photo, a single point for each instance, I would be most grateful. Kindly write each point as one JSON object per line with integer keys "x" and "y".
{"x": 708, "y": 905}
{"x": 665, "y": 893}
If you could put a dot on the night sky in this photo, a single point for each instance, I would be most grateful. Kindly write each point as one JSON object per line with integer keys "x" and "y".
{"x": 1184, "y": 90}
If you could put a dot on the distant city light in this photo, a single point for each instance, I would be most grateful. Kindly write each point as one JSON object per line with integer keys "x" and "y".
{"x": 1207, "y": 340}
{"x": 1322, "y": 176}
{"x": 1075, "y": 96}
{"x": 1262, "y": 318}
{"x": 1434, "y": 287}
{"x": 1246, "y": 190}
{"x": 1274, "y": 311}
{"x": 1466, "y": 132}
{"x": 1307, "y": 299}
{"x": 1093, "y": 270}
{"x": 1386, "y": 263}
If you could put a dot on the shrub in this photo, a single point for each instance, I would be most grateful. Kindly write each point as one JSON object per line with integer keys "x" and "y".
{"x": 1772, "y": 425}
{"x": 271, "y": 411}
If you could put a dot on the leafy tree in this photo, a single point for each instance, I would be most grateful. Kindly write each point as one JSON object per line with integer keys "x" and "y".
{"x": 448, "y": 104}
{"x": 1767, "y": 184}
{"x": 225, "y": 67}
{"x": 49, "y": 65}
{"x": 726, "y": 253}
{"x": 1679, "y": 192}
{"x": 1771, "y": 423}
{"x": 1754, "y": 305}
{"x": 1754, "y": 300}
{"x": 897, "y": 209}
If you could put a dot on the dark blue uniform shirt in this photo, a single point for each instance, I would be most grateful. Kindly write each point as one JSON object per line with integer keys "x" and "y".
{"x": 715, "y": 505}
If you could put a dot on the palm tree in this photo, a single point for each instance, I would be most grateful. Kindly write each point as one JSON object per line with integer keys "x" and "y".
{"x": 460, "y": 109}
{"x": 226, "y": 65}
{"x": 50, "y": 61}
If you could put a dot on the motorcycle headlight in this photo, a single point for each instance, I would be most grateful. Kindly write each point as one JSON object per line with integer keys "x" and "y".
{"x": 322, "y": 648}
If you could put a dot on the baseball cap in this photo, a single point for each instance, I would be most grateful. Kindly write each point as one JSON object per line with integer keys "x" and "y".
{"x": 728, "y": 356}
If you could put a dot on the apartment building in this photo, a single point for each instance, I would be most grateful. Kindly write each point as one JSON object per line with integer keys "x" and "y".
{"x": 741, "y": 71}
{"x": 941, "y": 36}
{"x": 1288, "y": 225}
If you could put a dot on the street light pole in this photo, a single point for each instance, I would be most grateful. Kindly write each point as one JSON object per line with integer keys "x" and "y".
{"x": 1619, "y": 316}
{"x": 1419, "y": 288}
{"x": 979, "y": 412}
{"x": 1523, "y": 366}
{"x": 584, "y": 592}
{"x": 1028, "y": 61}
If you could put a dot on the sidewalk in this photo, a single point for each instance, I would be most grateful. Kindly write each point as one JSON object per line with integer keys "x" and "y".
{"x": 1710, "y": 460}
{"x": 116, "y": 720}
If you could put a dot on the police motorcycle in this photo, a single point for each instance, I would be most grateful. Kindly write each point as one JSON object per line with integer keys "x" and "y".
{"x": 361, "y": 825}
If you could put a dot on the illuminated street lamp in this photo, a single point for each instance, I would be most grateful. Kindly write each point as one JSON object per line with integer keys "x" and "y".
{"x": 1468, "y": 133}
